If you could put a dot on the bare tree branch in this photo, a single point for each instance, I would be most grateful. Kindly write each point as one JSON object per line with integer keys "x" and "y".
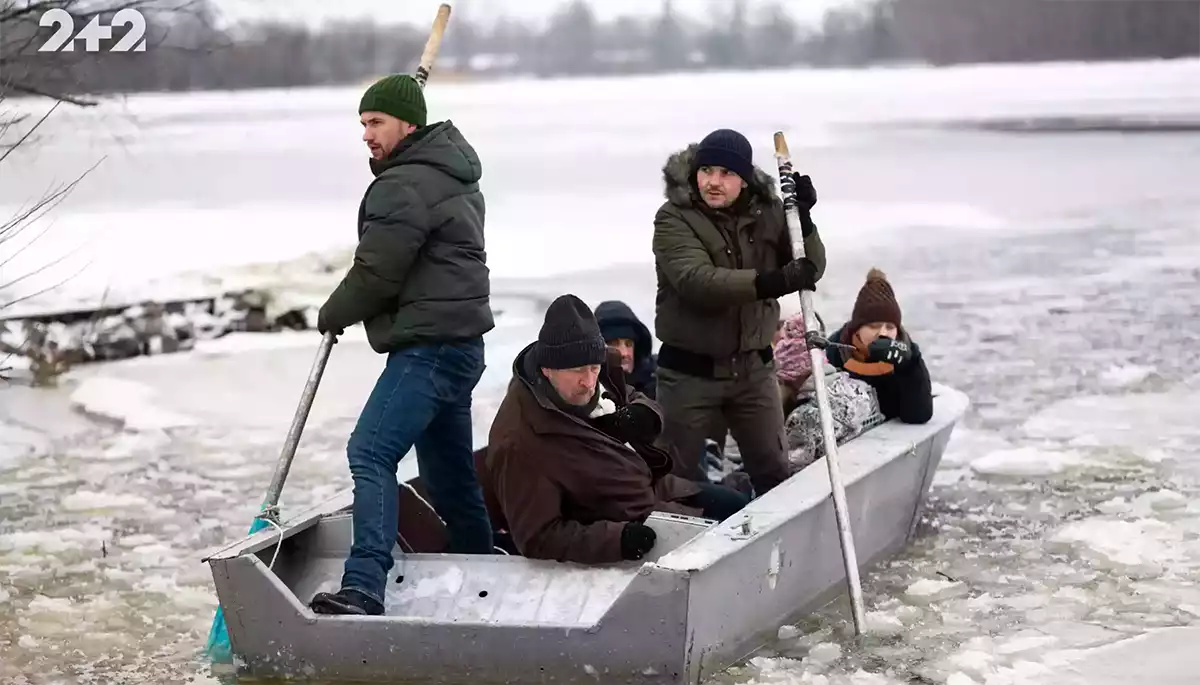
{"x": 10, "y": 122}
{"x": 23, "y": 220}
{"x": 48, "y": 201}
{"x": 72, "y": 76}
{"x": 28, "y": 133}
{"x": 47, "y": 289}
{"x": 58, "y": 96}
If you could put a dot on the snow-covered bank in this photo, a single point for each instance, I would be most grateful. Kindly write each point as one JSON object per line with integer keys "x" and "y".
{"x": 239, "y": 380}
{"x": 254, "y": 380}
{"x": 526, "y": 239}
{"x": 47, "y": 342}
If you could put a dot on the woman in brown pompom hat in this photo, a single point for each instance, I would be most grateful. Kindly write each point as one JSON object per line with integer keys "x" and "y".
{"x": 884, "y": 355}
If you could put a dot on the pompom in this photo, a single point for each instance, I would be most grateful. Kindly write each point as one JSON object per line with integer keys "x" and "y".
{"x": 876, "y": 275}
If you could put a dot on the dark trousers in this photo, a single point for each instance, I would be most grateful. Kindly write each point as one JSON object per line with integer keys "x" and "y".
{"x": 422, "y": 399}
{"x": 748, "y": 403}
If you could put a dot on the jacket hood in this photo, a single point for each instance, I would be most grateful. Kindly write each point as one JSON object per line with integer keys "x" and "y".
{"x": 439, "y": 145}
{"x": 680, "y": 183}
{"x": 614, "y": 313}
{"x": 526, "y": 371}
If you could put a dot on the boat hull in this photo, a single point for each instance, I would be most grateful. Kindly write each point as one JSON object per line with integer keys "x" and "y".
{"x": 712, "y": 596}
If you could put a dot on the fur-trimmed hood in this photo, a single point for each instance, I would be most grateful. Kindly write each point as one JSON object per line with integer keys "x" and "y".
{"x": 680, "y": 184}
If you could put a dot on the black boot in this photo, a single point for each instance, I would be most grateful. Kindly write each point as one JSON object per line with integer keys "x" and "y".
{"x": 344, "y": 602}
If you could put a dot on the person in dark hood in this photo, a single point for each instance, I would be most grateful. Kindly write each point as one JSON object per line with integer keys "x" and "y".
{"x": 420, "y": 286}
{"x": 571, "y": 454}
{"x": 884, "y": 355}
{"x": 625, "y": 333}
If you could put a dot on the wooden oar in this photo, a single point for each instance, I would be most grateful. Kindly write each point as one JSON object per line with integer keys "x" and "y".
{"x": 787, "y": 187}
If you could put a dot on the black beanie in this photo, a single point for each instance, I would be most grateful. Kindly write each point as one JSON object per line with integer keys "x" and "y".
{"x": 727, "y": 148}
{"x": 570, "y": 336}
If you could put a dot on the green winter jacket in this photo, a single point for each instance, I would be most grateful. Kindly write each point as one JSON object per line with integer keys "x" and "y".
{"x": 707, "y": 260}
{"x": 420, "y": 271}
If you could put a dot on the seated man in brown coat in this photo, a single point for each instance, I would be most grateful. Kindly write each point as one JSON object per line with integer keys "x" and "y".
{"x": 571, "y": 453}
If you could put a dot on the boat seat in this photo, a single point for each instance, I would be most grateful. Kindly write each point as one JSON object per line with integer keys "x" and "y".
{"x": 420, "y": 529}
{"x": 673, "y": 531}
{"x": 495, "y": 513}
{"x": 500, "y": 535}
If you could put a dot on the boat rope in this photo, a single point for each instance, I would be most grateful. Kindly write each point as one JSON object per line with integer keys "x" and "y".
{"x": 267, "y": 516}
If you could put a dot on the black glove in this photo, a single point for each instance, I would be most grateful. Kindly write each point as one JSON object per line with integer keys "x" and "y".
{"x": 806, "y": 199}
{"x": 631, "y": 423}
{"x": 806, "y": 194}
{"x": 323, "y": 326}
{"x": 884, "y": 349}
{"x": 636, "y": 540}
{"x": 796, "y": 275}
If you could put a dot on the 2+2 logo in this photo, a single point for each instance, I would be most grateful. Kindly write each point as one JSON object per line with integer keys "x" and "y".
{"x": 94, "y": 32}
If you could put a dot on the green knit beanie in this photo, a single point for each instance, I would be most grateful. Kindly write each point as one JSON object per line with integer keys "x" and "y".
{"x": 397, "y": 95}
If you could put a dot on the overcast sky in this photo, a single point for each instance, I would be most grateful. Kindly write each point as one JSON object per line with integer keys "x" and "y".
{"x": 422, "y": 11}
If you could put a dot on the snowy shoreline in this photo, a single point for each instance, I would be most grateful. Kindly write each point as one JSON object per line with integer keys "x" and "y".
{"x": 45, "y": 337}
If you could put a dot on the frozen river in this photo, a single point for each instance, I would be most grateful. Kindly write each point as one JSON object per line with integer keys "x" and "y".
{"x": 1052, "y": 277}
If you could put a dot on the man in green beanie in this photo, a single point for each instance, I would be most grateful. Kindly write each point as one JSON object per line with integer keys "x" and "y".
{"x": 420, "y": 285}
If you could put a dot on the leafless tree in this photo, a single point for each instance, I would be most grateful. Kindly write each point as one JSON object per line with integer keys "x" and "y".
{"x": 31, "y": 77}
{"x": 23, "y": 231}
{"x": 27, "y": 68}
{"x": 34, "y": 84}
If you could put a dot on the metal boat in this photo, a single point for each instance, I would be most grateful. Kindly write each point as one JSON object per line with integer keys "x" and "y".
{"x": 708, "y": 596}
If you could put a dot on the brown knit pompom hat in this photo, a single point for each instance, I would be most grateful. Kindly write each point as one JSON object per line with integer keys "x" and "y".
{"x": 876, "y": 302}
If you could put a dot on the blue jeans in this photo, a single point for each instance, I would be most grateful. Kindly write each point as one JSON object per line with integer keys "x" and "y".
{"x": 422, "y": 399}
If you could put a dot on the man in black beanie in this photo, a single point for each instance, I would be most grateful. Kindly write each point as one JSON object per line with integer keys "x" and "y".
{"x": 571, "y": 452}
{"x": 420, "y": 286}
{"x": 723, "y": 256}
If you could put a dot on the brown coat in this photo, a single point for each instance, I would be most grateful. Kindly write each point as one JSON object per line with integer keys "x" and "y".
{"x": 566, "y": 488}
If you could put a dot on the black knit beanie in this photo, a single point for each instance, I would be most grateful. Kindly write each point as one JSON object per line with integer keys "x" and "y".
{"x": 570, "y": 336}
{"x": 727, "y": 148}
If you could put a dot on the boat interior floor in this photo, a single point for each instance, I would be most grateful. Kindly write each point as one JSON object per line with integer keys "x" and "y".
{"x": 426, "y": 584}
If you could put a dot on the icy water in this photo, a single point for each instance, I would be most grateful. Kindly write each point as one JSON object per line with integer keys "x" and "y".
{"x": 1051, "y": 277}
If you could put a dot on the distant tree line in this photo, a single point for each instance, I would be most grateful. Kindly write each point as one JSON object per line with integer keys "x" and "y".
{"x": 187, "y": 50}
{"x": 954, "y": 31}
